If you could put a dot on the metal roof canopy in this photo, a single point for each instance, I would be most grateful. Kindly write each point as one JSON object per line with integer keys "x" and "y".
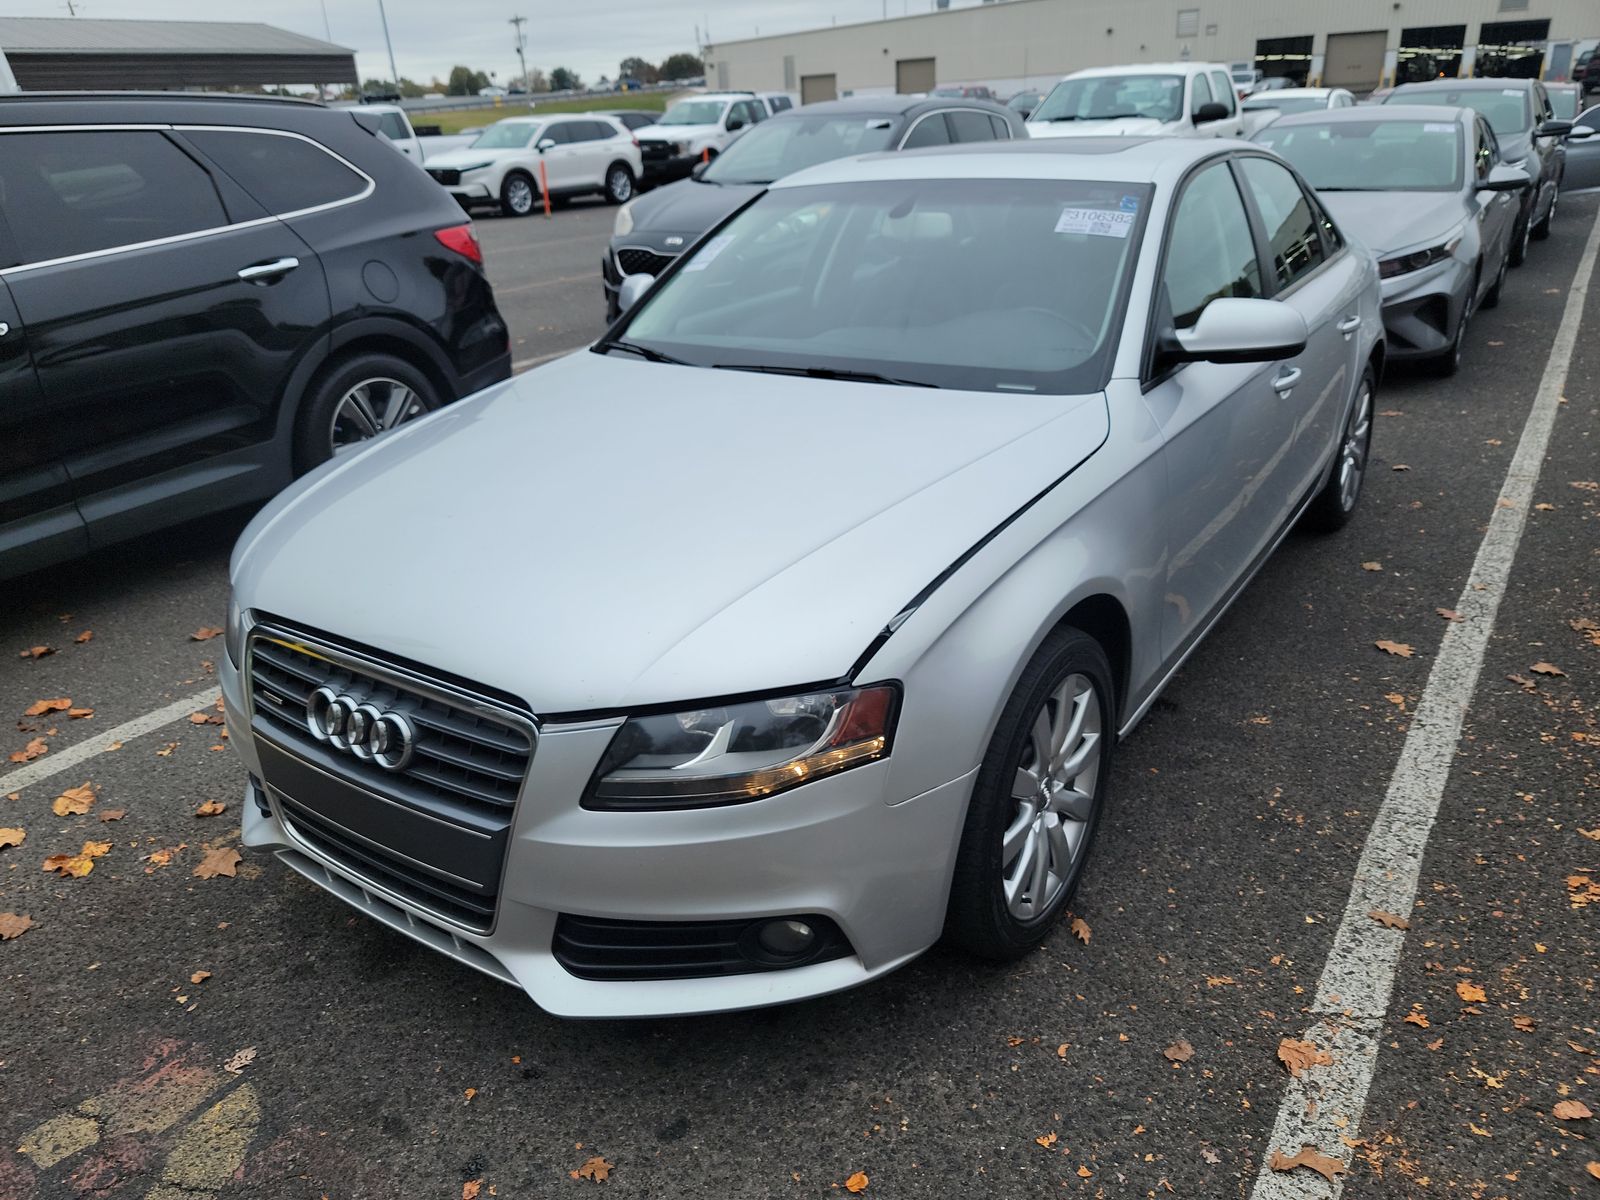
{"x": 76, "y": 53}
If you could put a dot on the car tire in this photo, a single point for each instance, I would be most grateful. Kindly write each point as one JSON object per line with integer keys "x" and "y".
{"x": 1520, "y": 233}
{"x": 356, "y": 400}
{"x": 1336, "y": 502}
{"x": 1449, "y": 362}
{"x": 620, "y": 184}
{"x": 519, "y": 196}
{"x": 1060, "y": 716}
{"x": 1541, "y": 229}
{"x": 1491, "y": 298}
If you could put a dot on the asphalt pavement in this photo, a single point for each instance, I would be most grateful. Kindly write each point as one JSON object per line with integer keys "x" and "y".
{"x": 179, "y": 1037}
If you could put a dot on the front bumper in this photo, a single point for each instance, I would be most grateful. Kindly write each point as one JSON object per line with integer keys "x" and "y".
{"x": 1421, "y": 309}
{"x": 471, "y": 193}
{"x": 843, "y": 848}
{"x": 668, "y": 168}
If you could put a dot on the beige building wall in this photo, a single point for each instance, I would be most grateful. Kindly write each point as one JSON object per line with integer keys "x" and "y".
{"x": 1019, "y": 43}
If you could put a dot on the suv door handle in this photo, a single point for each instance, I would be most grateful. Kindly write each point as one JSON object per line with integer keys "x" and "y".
{"x": 267, "y": 271}
{"x": 1349, "y": 325}
{"x": 1284, "y": 383}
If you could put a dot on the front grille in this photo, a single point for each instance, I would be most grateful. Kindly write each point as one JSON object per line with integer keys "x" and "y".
{"x": 600, "y": 948}
{"x": 446, "y": 177}
{"x": 633, "y": 261}
{"x": 651, "y": 149}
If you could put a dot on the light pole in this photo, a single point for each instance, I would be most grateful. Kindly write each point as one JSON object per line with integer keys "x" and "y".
{"x": 517, "y": 23}
{"x": 384, "y": 17}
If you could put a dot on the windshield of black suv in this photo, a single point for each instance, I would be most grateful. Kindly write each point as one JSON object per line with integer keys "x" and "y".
{"x": 1102, "y": 97}
{"x": 1372, "y": 156}
{"x": 774, "y": 149}
{"x": 978, "y": 284}
{"x": 694, "y": 112}
{"x": 507, "y": 135}
{"x": 1506, "y": 109}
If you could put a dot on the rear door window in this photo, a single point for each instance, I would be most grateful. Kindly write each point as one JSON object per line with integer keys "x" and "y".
{"x": 929, "y": 131}
{"x": 74, "y": 192}
{"x": 968, "y": 125}
{"x": 286, "y": 174}
{"x": 1291, "y": 222}
{"x": 1002, "y": 131}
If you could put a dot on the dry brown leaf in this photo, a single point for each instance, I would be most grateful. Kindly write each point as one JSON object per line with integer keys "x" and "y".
{"x": 1420, "y": 1020}
{"x": 1593, "y": 1169}
{"x": 1047, "y": 1140}
{"x": 1505, "y": 502}
{"x": 113, "y": 746}
{"x": 240, "y": 1060}
{"x": 1449, "y": 614}
{"x": 1081, "y": 930}
{"x": 200, "y": 977}
{"x": 1210, "y": 1155}
{"x": 166, "y": 751}
{"x": 205, "y": 633}
{"x": 470, "y": 1189}
{"x": 13, "y": 925}
{"x": 1323, "y": 1164}
{"x": 597, "y": 1168}
{"x": 1221, "y": 981}
{"x": 1572, "y": 1110}
{"x": 74, "y": 802}
{"x": 210, "y": 808}
{"x": 1545, "y": 668}
{"x": 1523, "y": 1024}
{"x": 220, "y": 861}
{"x": 857, "y": 1182}
{"x": 37, "y": 652}
{"x": 113, "y": 814}
{"x": 204, "y": 719}
{"x": 1388, "y": 920}
{"x": 1470, "y": 992}
{"x": 1084, "y": 1173}
{"x": 159, "y": 858}
{"x": 1523, "y": 682}
{"x": 1301, "y": 1056}
{"x": 31, "y": 751}
{"x": 39, "y": 707}
{"x": 1434, "y": 1045}
{"x": 1179, "y": 1052}
{"x": 1585, "y": 485}
{"x": 76, "y": 866}
{"x": 1061, "y": 1050}
{"x": 1372, "y": 566}
{"x": 1400, "y": 649}
{"x": 1592, "y": 834}
{"x": 12, "y": 836}
{"x": 78, "y": 714}
{"x": 1545, "y": 507}
{"x": 85, "y": 636}
{"x": 469, "y": 1094}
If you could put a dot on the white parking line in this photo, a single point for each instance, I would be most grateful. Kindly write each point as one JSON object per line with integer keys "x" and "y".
{"x": 64, "y": 760}
{"x": 1325, "y": 1104}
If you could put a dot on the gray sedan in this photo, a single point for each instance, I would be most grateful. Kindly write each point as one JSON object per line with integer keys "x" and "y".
{"x": 1424, "y": 189}
{"x": 1583, "y": 152}
{"x": 792, "y": 627}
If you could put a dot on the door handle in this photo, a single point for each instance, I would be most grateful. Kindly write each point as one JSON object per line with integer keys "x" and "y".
{"x": 1284, "y": 383}
{"x": 1349, "y": 325}
{"x": 264, "y": 272}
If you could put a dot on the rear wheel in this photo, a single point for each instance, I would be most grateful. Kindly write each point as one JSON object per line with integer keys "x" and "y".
{"x": 1036, "y": 802}
{"x": 359, "y": 400}
{"x": 517, "y": 194}
{"x": 1336, "y": 503}
{"x": 1519, "y": 239}
{"x": 1491, "y": 298}
{"x": 1541, "y": 229}
{"x": 619, "y": 184}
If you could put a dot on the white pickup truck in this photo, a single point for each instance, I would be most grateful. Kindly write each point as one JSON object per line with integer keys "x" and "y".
{"x": 393, "y": 123}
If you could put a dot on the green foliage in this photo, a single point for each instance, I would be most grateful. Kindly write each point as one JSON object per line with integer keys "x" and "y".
{"x": 680, "y": 66}
{"x": 564, "y": 80}
{"x": 464, "y": 81}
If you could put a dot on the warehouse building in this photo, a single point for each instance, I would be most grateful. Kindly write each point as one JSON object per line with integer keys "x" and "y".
{"x": 1016, "y": 44}
{"x": 39, "y": 54}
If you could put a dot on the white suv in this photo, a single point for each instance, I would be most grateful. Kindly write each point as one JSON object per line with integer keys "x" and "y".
{"x": 696, "y": 128}
{"x": 1160, "y": 99}
{"x": 578, "y": 153}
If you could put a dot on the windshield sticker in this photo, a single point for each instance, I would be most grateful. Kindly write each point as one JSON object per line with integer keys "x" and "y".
{"x": 1097, "y": 222}
{"x": 1129, "y": 204}
{"x": 1510, "y": 92}
{"x": 1438, "y": 127}
{"x": 708, "y": 252}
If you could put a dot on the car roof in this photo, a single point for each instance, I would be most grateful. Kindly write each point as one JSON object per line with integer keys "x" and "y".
{"x": 1307, "y": 93}
{"x": 1155, "y": 68}
{"x": 1095, "y": 159}
{"x": 1380, "y": 112}
{"x": 716, "y": 96}
{"x": 1465, "y": 85}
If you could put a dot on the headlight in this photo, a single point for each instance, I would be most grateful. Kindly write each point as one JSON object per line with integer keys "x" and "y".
{"x": 473, "y": 167}
{"x": 738, "y": 752}
{"x": 233, "y": 633}
{"x": 624, "y": 223}
{"x": 1404, "y": 264}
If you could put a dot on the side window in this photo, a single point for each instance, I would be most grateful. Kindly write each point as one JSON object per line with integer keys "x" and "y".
{"x": 1199, "y": 94}
{"x": 1591, "y": 118}
{"x": 1002, "y": 131}
{"x": 393, "y": 126}
{"x": 1210, "y": 253}
{"x": 1288, "y": 216}
{"x": 1222, "y": 92}
{"x": 751, "y": 111}
{"x": 285, "y": 174}
{"x": 928, "y": 131}
{"x": 1331, "y": 237}
{"x": 1485, "y": 156}
{"x": 780, "y": 104}
{"x": 1541, "y": 103}
{"x": 559, "y": 132}
{"x": 73, "y": 192}
{"x": 966, "y": 125}
{"x": 597, "y": 131}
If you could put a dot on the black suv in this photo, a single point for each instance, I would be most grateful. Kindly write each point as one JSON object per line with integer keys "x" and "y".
{"x": 202, "y": 297}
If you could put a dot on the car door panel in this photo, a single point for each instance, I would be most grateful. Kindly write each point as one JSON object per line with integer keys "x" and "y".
{"x": 563, "y": 162}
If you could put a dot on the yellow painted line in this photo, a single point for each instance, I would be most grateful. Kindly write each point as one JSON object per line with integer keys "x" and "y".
{"x": 58, "y": 1138}
{"x": 155, "y": 1102}
{"x": 212, "y": 1148}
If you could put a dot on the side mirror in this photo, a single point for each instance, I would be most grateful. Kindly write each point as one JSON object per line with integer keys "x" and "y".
{"x": 1242, "y": 331}
{"x": 545, "y": 144}
{"x": 1579, "y": 132}
{"x": 699, "y": 170}
{"x": 735, "y": 123}
{"x": 633, "y": 287}
{"x": 1505, "y": 178}
{"x": 1210, "y": 111}
{"x": 1554, "y": 129}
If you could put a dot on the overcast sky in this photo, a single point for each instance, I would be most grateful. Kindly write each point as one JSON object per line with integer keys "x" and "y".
{"x": 430, "y": 36}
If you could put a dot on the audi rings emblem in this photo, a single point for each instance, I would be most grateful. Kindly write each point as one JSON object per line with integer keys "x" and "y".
{"x": 361, "y": 728}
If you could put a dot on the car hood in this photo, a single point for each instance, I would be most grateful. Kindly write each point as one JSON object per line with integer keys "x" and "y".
{"x": 604, "y": 532}
{"x": 467, "y": 157}
{"x": 689, "y": 206}
{"x": 675, "y": 133}
{"x": 1388, "y": 221}
{"x": 1121, "y": 127}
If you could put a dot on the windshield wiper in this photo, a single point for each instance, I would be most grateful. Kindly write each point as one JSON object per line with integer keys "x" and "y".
{"x": 824, "y": 373}
{"x": 643, "y": 352}
{"x": 1068, "y": 117}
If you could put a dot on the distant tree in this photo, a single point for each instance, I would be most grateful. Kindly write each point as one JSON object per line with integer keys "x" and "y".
{"x": 563, "y": 80}
{"x": 637, "y": 67}
{"x": 680, "y": 66}
{"x": 464, "y": 81}
{"x": 410, "y": 88}
{"x": 536, "y": 80}
{"x": 374, "y": 87}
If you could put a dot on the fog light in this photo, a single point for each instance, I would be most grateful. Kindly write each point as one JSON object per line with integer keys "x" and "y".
{"x": 786, "y": 939}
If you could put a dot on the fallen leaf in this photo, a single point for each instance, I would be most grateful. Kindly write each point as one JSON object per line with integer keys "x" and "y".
{"x": 210, "y": 808}
{"x": 1210, "y": 1155}
{"x": 204, "y": 634}
{"x": 41, "y": 651}
{"x": 220, "y": 861}
{"x": 1061, "y": 1050}
{"x": 39, "y": 707}
{"x": 1396, "y": 648}
{"x": 79, "y": 714}
{"x": 205, "y": 719}
{"x": 31, "y": 751}
{"x": 1080, "y": 930}
{"x": 470, "y": 1189}
{"x": 1523, "y": 1024}
{"x": 11, "y": 837}
{"x": 1400, "y": 467}
{"x": 1449, "y": 614}
{"x": 13, "y": 925}
{"x": 1572, "y": 1110}
{"x": 1084, "y": 1173}
{"x": 200, "y": 977}
{"x": 597, "y": 1168}
{"x": 1479, "y": 1130}
{"x": 1372, "y": 566}
{"x": 74, "y": 802}
{"x": 1396, "y": 699}
{"x": 1221, "y": 981}
{"x": 1592, "y": 834}
{"x": 1544, "y": 668}
{"x": 159, "y": 858}
{"x": 1434, "y": 1045}
{"x": 240, "y": 1060}
{"x": 1593, "y": 1169}
{"x": 166, "y": 751}
{"x": 1545, "y": 507}
{"x": 1323, "y": 1164}
{"x": 113, "y": 814}
{"x": 470, "y": 1093}
{"x": 1470, "y": 992}
{"x": 1180, "y": 1051}
{"x": 1505, "y": 503}
{"x": 1047, "y": 1140}
{"x": 1583, "y": 485}
{"x": 1523, "y": 682}
{"x": 1301, "y": 1056}
{"x": 1420, "y": 1020}
{"x": 76, "y": 866}
{"x": 85, "y": 636}
{"x": 113, "y": 746}
{"x": 1388, "y": 920}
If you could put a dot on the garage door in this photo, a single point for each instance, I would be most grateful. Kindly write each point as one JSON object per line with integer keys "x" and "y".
{"x": 818, "y": 87}
{"x": 1354, "y": 60}
{"x": 914, "y": 75}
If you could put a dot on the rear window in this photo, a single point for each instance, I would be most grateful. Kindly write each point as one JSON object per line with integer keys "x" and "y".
{"x": 286, "y": 174}
{"x": 1372, "y": 156}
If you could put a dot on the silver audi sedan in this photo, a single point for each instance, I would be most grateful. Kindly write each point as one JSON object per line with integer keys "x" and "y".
{"x": 792, "y": 626}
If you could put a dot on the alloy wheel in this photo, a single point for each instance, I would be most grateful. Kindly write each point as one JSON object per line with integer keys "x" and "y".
{"x": 620, "y": 185}
{"x": 1353, "y": 455}
{"x": 1052, "y": 799}
{"x": 519, "y": 194}
{"x": 371, "y": 407}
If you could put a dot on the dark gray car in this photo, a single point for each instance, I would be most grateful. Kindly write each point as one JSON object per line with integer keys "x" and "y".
{"x": 661, "y": 224}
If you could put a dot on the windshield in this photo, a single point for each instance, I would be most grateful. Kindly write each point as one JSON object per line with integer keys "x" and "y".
{"x": 1506, "y": 109}
{"x": 1102, "y": 97}
{"x": 1372, "y": 156}
{"x": 1025, "y": 100}
{"x": 694, "y": 112}
{"x": 774, "y": 149}
{"x": 978, "y": 284}
{"x": 507, "y": 135}
{"x": 1286, "y": 105}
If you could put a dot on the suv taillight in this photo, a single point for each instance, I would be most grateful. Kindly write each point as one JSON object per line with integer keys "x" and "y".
{"x": 463, "y": 240}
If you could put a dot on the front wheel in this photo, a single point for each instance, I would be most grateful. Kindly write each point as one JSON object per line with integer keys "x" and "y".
{"x": 1519, "y": 239}
{"x": 1541, "y": 229}
{"x": 1036, "y": 802}
{"x": 1336, "y": 502}
{"x": 619, "y": 184}
{"x": 357, "y": 401}
{"x": 1491, "y": 298}
{"x": 518, "y": 195}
